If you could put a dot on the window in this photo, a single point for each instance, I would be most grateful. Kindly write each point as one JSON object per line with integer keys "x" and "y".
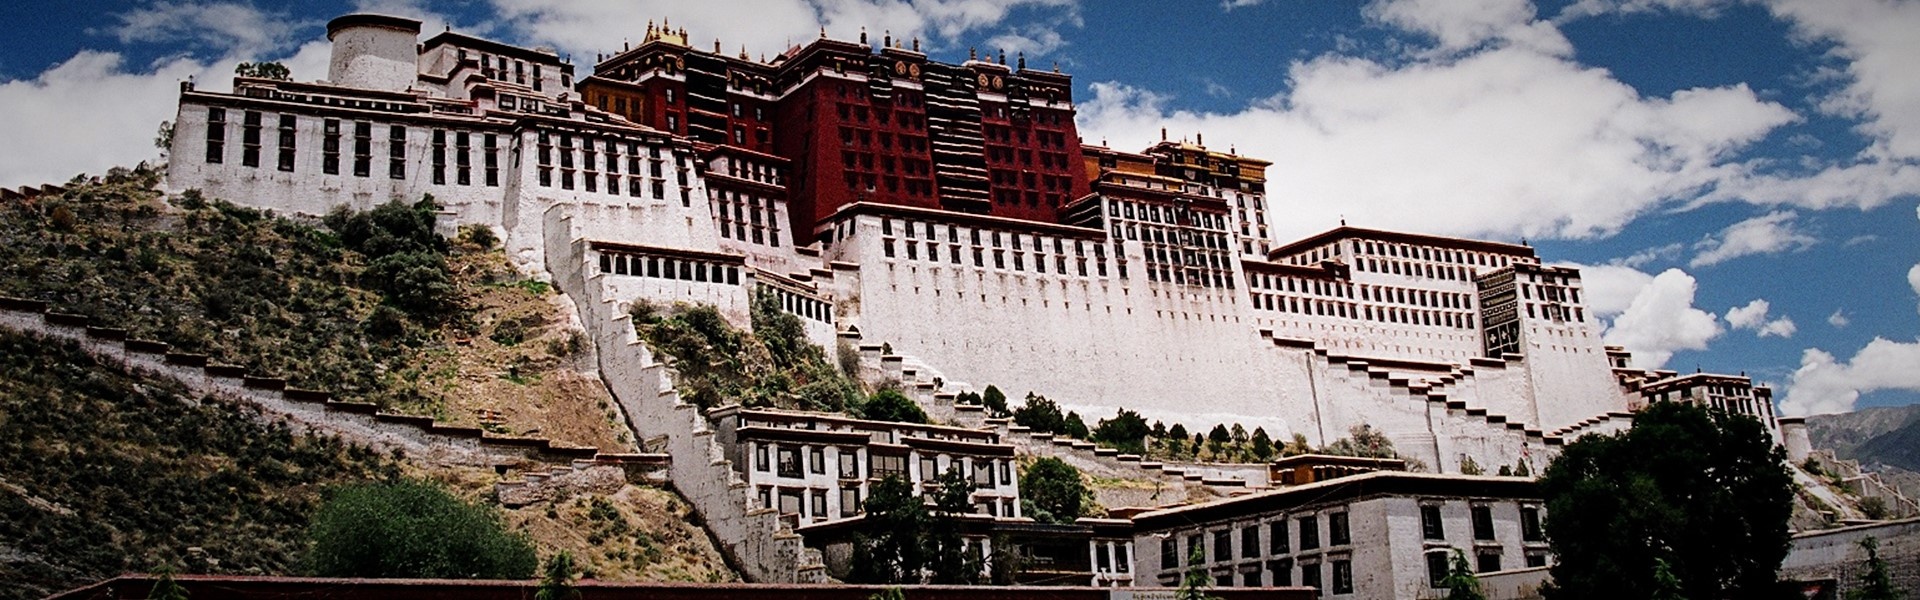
{"x": 1277, "y": 537}
{"x": 819, "y": 508}
{"x": 286, "y": 142}
{"x": 789, "y": 461}
{"x": 1250, "y": 541}
{"x": 250, "y": 139}
{"x": 883, "y": 466}
{"x": 330, "y": 147}
{"x": 1342, "y": 577}
{"x": 817, "y": 460}
{"x": 1223, "y": 545}
{"x": 1486, "y": 562}
{"x": 439, "y": 157}
{"x": 216, "y": 135}
{"x": 1282, "y": 572}
{"x": 849, "y": 501}
{"x": 1536, "y": 559}
{"x": 492, "y": 161}
{"x": 463, "y": 158}
{"x": 760, "y": 462}
{"x": 1436, "y": 568}
{"x": 1309, "y": 532}
{"x": 1337, "y": 530}
{"x": 1482, "y": 523}
{"x": 397, "y": 152}
{"x": 1250, "y": 578}
{"x": 1310, "y": 575}
{"x": 1169, "y": 553}
{"x": 1195, "y": 550}
{"x": 362, "y": 149}
{"x": 1530, "y": 524}
{"x": 1430, "y": 525}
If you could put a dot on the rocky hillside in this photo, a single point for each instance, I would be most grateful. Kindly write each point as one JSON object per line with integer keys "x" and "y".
{"x": 104, "y": 471}
{"x": 1885, "y": 440}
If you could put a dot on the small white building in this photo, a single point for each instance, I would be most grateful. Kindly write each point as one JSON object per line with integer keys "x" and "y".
{"x": 1385, "y": 534}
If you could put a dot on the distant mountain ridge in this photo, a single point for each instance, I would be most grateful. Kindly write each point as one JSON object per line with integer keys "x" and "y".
{"x": 1885, "y": 440}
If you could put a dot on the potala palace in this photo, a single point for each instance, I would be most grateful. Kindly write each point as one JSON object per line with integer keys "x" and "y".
{"x": 946, "y": 222}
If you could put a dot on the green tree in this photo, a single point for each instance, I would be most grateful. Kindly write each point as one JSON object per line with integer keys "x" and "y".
{"x": 166, "y": 588}
{"x": 888, "y": 548}
{"x": 1876, "y": 583}
{"x": 950, "y": 562}
{"x": 1195, "y": 582}
{"x": 413, "y": 529}
{"x": 1217, "y": 438}
{"x": 1176, "y": 440}
{"x": 264, "y": 70}
{"x": 557, "y": 583}
{"x": 1039, "y": 414}
{"x": 1126, "y": 431}
{"x": 1075, "y": 427}
{"x": 1364, "y": 441}
{"x": 1705, "y": 492}
{"x": 891, "y": 405}
{"x": 1461, "y": 583}
{"x": 1296, "y": 446}
{"x": 1053, "y": 490}
{"x": 1262, "y": 445}
{"x": 995, "y": 401}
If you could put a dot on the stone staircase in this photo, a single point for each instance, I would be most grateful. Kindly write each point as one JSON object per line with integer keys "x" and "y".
{"x": 418, "y": 436}
{"x": 753, "y": 538}
{"x": 605, "y": 474}
{"x": 1431, "y": 409}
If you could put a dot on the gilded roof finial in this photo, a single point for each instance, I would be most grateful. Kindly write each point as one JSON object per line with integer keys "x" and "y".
{"x": 1023, "y": 59}
{"x": 973, "y": 53}
{"x": 716, "y": 45}
{"x": 1003, "y": 56}
{"x": 1056, "y": 66}
{"x": 743, "y": 53}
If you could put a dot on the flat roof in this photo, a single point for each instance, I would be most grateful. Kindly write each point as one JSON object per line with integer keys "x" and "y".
{"x": 1344, "y": 489}
{"x": 1344, "y": 232}
{"x": 371, "y": 20}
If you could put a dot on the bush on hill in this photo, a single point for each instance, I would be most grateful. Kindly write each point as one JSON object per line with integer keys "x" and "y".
{"x": 103, "y": 471}
{"x": 410, "y": 529}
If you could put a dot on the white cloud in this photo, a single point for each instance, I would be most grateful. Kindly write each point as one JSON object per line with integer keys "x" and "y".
{"x": 1864, "y": 184}
{"x": 1611, "y": 288}
{"x": 1229, "y": 5}
{"x": 92, "y": 113}
{"x": 1641, "y": 258}
{"x": 1661, "y": 320}
{"x": 1913, "y": 278}
{"x": 1588, "y": 8}
{"x": 583, "y": 28}
{"x": 1766, "y": 234}
{"x": 1824, "y": 385}
{"x": 1876, "y": 38}
{"x": 1507, "y": 140}
{"x": 1839, "y": 319}
{"x": 218, "y": 26}
{"x": 1463, "y": 24}
{"x": 1754, "y": 317}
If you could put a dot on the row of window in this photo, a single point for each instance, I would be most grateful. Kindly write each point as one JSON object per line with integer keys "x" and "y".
{"x": 681, "y": 269}
{"x": 1368, "y": 312}
{"x": 800, "y": 460}
{"x": 454, "y": 151}
{"x": 1154, "y": 213}
{"x": 746, "y": 217}
{"x": 804, "y": 306}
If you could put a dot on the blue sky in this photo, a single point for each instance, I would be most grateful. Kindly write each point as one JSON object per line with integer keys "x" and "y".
{"x": 1738, "y": 178}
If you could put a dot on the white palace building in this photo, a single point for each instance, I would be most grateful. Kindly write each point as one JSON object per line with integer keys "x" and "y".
{"x": 949, "y": 212}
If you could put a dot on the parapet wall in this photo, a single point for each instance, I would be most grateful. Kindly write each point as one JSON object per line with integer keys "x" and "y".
{"x": 752, "y": 537}
{"x": 420, "y": 437}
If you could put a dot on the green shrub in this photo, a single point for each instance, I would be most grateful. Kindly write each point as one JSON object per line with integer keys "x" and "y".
{"x": 891, "y": 405}
{"x": 408, "y": 528}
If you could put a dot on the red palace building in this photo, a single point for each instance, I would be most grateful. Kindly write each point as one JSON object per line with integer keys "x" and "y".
{"x": 834, "y": 123}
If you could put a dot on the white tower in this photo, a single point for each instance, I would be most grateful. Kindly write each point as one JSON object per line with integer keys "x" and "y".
{"x": 374, "y": 52}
